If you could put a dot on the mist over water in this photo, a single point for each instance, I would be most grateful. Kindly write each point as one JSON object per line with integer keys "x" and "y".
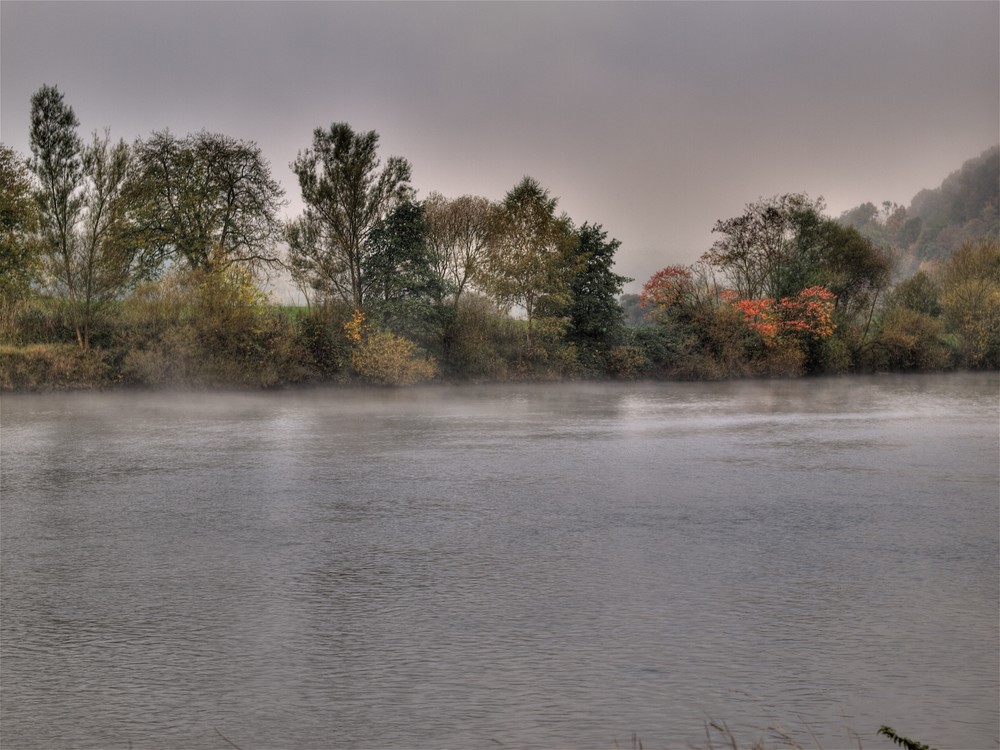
{"x": 547, "y": 566}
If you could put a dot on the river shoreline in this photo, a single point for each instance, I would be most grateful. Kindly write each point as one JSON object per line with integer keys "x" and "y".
{"x": 47, "y": 368}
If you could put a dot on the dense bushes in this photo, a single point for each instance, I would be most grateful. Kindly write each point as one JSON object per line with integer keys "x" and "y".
{"x": 943, "y": 317}
{"x": 908, "y": 340}
{"x": 208, "y": 329}
{"x": 383, "y": 358}
{"x": 205, "y": 329}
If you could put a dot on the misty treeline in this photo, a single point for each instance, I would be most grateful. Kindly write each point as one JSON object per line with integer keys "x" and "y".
{"x": 966, "y": 206}
{"x": 144, "y": 264}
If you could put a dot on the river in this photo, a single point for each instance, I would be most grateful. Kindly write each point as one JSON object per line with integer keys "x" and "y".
{"x": 519, "y": 566}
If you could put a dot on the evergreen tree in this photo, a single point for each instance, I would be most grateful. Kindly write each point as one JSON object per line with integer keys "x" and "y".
{"x": 596, "y": 316}
{"x": 404, "y": 288}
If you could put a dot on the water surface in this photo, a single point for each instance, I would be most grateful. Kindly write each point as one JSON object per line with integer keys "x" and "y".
{"x": 539, "y": 566}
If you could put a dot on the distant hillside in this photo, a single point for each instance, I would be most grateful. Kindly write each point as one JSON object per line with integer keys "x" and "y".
{"x": 937, "y": 222}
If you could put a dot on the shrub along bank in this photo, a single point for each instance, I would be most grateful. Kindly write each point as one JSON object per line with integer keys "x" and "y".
{"x": 215, "y": 329}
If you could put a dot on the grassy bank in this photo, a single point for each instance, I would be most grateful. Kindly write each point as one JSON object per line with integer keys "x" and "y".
{"x": 38, "y": 367}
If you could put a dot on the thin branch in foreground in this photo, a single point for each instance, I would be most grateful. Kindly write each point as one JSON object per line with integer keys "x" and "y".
{"x": 227, "y": 740}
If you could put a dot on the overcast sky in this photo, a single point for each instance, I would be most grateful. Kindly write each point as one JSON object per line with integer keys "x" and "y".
{"x": 653, "y": 119}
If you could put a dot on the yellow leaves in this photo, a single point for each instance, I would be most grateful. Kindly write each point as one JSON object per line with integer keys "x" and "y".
{"x": 387, "y": 359}
{"x": 384, "y": 358}
{"x": 355, "y": 327}
{"x": 970, "y": 300}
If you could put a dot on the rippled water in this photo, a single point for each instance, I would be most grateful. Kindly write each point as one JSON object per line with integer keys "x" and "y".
{"x": 537, "y": 566}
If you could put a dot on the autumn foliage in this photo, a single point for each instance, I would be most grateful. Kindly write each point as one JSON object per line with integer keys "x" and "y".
{"x": 666, "y": 289}
{"x": 354, "y": 328}
{"x": 383, "y": 358}
{"x": 808, "y": 314}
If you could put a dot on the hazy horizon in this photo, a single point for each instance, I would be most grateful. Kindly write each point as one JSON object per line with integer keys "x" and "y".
{"x": 652, "y": 119}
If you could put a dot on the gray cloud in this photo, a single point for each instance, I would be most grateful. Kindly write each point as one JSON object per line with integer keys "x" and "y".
{"x": 654, "y": 119}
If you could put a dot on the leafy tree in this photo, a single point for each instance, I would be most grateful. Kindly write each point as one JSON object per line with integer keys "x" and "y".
{"x": 458, "y": 234}
{"x": 807, "y": 314}
{"x": 347, "y": 195}
{"x": 596, "y": 319}
{"x": 19, "y": 250}
{"x": 683, "y": 336}
{"x": 970, "y": 300}
{"x": 404, "y": 287}
{"x": 526, "y": 263}
{"x": 829, "y": 254}
{"x": 784, "y": 245}
{"x": 757, "y": 249}
{"x": 667, "y": 292}
{"x": 920, "y": 292}
{"x": 104, "y": 265}
{"x": 56, "y": 161}
{"x": 207, "y": 201}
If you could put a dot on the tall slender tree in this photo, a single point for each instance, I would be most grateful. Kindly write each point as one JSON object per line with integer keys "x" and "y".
{"x": 347, "y": 194}
{"x": 56, "y": 151}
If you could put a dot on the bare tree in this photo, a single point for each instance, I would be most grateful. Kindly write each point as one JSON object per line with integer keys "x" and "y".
{"x": 458, "y": 234}
{"x": 104, "y": 264}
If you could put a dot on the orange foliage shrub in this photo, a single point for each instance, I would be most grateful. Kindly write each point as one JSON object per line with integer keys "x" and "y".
{"x": 808, "y": 314}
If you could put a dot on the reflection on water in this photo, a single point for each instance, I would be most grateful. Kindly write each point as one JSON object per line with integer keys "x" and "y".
{"x": 543, "y": 566}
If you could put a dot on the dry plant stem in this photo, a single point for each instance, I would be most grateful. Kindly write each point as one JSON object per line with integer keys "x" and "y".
{"x": 227, "y": 740}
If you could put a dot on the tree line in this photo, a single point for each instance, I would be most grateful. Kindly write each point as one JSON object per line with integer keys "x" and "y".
{"x": 148, "y": 259}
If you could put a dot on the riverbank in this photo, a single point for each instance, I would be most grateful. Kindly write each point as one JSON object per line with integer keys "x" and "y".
{"x": 53, "y": 367}
{"x": 189, "y": 331}
{"x": 65, "y": 367}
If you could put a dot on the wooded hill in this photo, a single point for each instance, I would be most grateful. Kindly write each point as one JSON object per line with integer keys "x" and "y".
{"x": 964, "y": 207}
